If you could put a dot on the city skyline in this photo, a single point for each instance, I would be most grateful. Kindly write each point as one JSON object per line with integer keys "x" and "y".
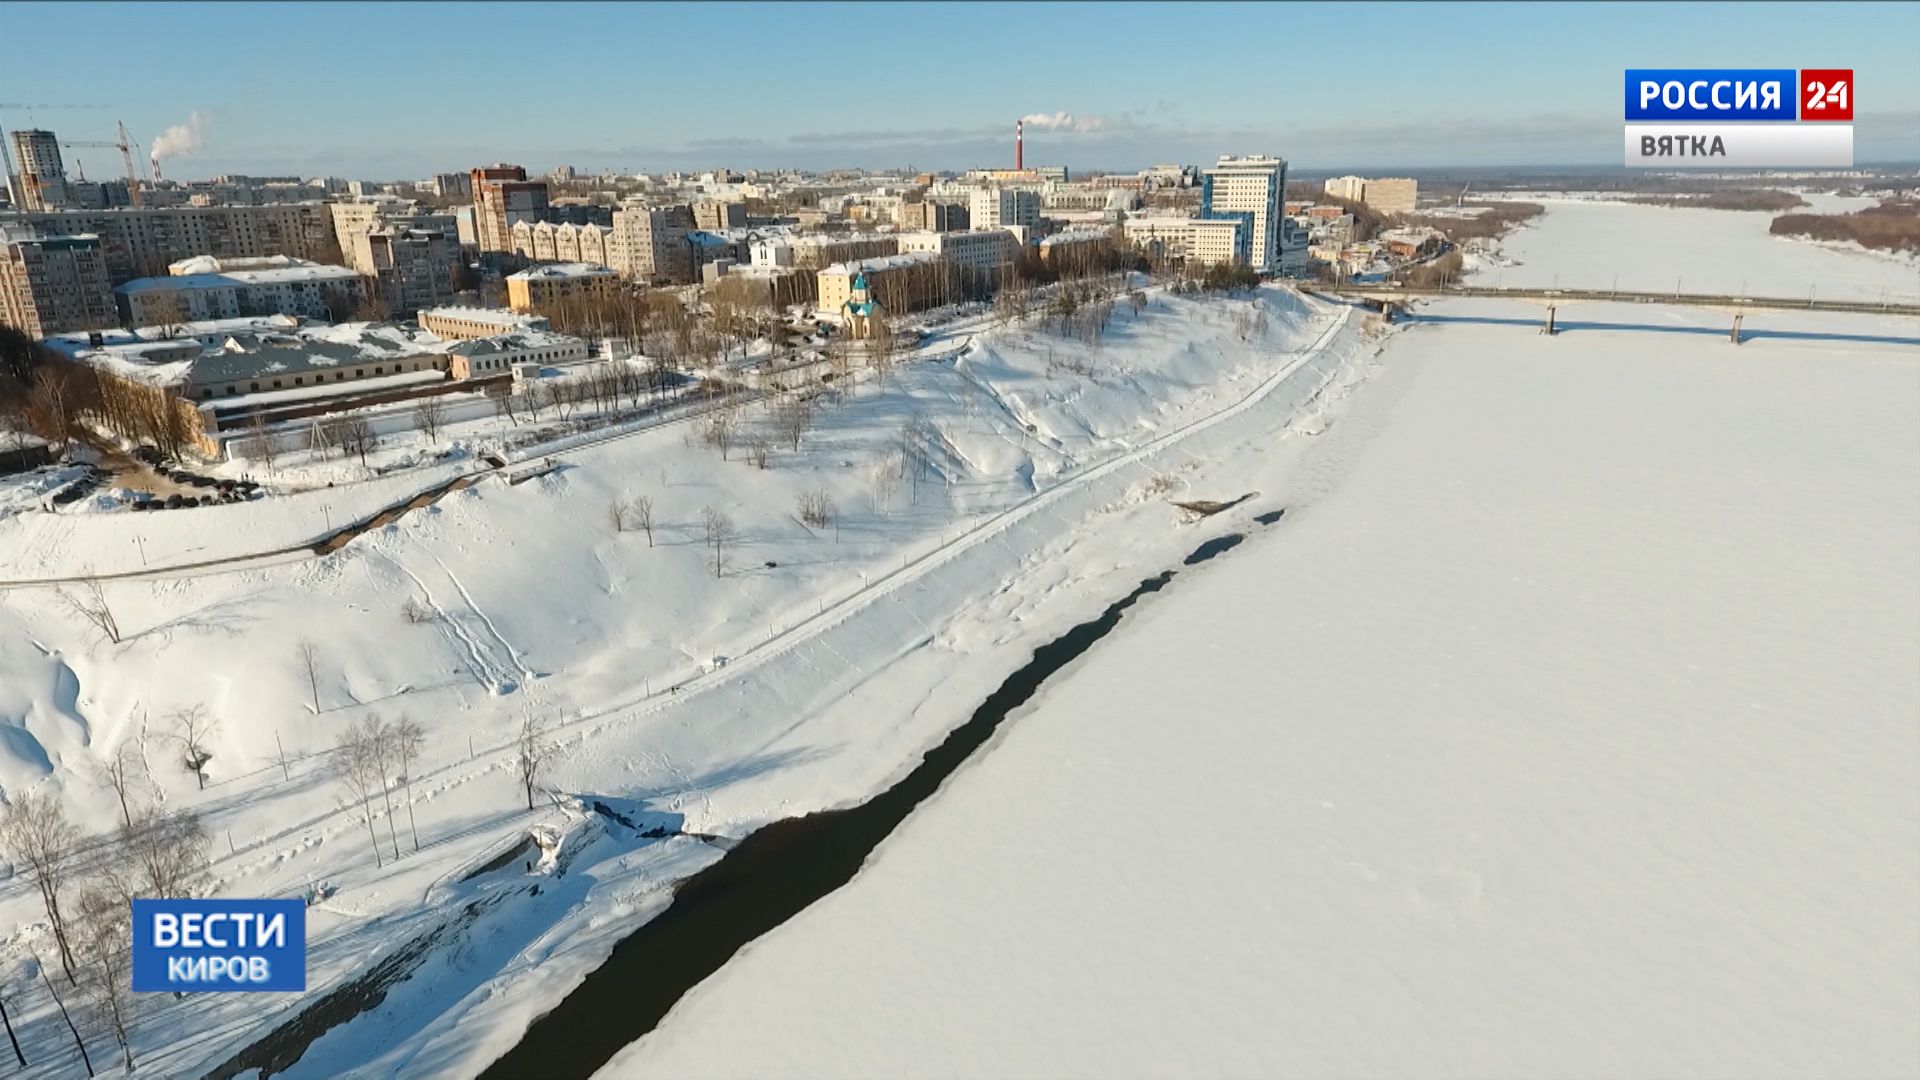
{"x": 1357, "y": 87}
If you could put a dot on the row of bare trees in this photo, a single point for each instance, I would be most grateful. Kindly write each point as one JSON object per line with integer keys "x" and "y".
{"x": 87, "y": 886}
{"x": 371, "y": 756}
{"x": 58, "y": 399}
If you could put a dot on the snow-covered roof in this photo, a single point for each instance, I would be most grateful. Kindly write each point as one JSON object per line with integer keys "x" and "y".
{"x": 306, "y": 273}
{"x": 514, "y": 342}
{"x": 502, "y": 317}
{"x": 561, "y": 270}
{"x": 1074, "y": 236}
{"x": 882, "y": 262}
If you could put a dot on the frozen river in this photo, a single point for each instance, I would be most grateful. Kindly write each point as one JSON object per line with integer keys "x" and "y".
{"x": 1569, "y": 719}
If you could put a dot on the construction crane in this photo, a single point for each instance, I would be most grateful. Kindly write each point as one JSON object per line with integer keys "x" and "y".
{"x": 126, "y": 146}
{"x": 6, "y": 149}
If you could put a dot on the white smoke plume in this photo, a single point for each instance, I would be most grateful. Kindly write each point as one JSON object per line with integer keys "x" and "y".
{"x": 1064, "y": 121}
{"x": 181, "y": 139}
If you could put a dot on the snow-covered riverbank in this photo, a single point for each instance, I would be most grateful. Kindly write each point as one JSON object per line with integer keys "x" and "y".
{"x": 1048, "y": 463}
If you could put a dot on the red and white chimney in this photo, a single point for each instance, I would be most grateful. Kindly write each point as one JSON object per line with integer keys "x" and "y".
{"x": 1019, "y": 148}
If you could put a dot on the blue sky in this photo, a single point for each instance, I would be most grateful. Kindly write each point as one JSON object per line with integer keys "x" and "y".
{"x": 383, "y": 91}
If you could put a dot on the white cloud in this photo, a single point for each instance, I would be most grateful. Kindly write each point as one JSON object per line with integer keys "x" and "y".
{"x": 1064, "y": 121}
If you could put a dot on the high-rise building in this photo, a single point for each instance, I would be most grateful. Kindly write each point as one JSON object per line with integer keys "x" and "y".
{"x": 502, "y": 195}
{"x": 353, "y": 220}
{"x": 55, "y": 285}
{"x": 996, "y": 206}
{"x": 715, "y": 215}
{"x": 415, "y": 268}
{"x": 649, "y": 243}
{"x": 43, "y": 176}
{"x": 1250, "y": 189}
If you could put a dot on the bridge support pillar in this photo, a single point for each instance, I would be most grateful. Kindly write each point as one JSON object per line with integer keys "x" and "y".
{"x": 1736, "y": 326}
{"x": 1549, "y": 327}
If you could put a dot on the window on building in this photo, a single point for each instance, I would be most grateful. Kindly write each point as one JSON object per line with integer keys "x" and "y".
{"x": 253, "y": 388}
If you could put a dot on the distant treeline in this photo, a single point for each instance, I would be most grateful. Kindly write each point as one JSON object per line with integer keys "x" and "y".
{"x": 1495, "y": 219}
{"x": 1894, "y": 225}
{"x": 1729, "y": 199}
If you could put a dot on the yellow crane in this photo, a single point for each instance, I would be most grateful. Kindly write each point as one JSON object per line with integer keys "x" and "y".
{"x": 126, "y": 146}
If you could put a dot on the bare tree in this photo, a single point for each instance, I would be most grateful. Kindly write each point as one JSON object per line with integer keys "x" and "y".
{"x": 90, "y": 603}
{"x": 429, "y": 415}
{"x": 309, "y": 656}
{"x": 885, "y": 478}
{"x": 166, "y": 312}
{"x": 192, "y": 726}
{"x": 617, "y": 513}
{"x": 640, "y": 507}
{"x": 52, "y": 992}
{"x": 356, "y": 437}
{"x": 357, "y": 765}
{"x": 117, "y": 775}
{"x": 792, "y": 416}
{"x": 409, "y": 739}
{"x": 534, "y": 397}
{"x": 817, "y": 509}
{"x": 721, "y": 426}
{"x": 883, "y": 348}
{"x": 505, "y": 400}
{"x": 105, "y": 953}
{"x": 161, "y": 856}
{"x": 530, "y": 753}
{"x": 377, "y": 736}
{"x": 35, "y": 831}
{"x": 758, "y": 451}
{"x": 260, "y": 443}
{"x": 720, "y": 534}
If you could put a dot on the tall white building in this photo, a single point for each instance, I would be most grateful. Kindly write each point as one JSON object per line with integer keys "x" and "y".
{"x": 996, "y": 207}
{"x": 1252, "y": 189}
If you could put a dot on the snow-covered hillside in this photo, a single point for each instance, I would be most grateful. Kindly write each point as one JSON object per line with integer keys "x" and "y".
{"x": 1569, "y": 721}
{"x": 709, "y": 702}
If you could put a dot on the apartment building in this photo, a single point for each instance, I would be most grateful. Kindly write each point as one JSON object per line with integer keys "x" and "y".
{"x": 55, "y": 284}
{"x": 997, "y": 206}
{"x": 452, "y": 185}
{"x": 714, "y": 215}
{"x": 41, "y": 182}
{"x": 979, "y": 249}
{"x": 1389, "y": 195}
{"x": 353, "y": 220}
{"x": 1251, "y": 189}
{"x": 1178, "y": 239}
{"x": 413, "y": 268}
{"x": 649, "y": 243}
{"x": 545, "y": 241}
{"x": 502, "y": 195}
{"x": 205, "y": 288}
{"x": 933, "y": 216}
{"x": 141, "y": 242}
{"x": 545, "y": 286}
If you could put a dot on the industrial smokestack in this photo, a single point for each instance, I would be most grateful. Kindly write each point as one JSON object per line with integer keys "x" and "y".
{"x": 1019, "y": 147}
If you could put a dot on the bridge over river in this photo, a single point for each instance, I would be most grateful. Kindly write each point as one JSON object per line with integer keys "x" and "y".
{"x": 1388, "y": 298}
